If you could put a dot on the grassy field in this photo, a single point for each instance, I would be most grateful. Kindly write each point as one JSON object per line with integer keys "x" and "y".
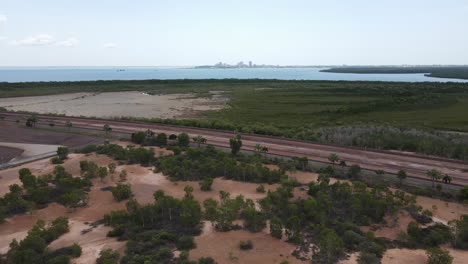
{"x": 382, "y": 115}
{"x": 293, "y": 104}
{"x": 455, "y": 72}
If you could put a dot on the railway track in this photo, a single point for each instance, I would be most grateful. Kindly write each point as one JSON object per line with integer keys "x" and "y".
{"x": 391, "y": 162}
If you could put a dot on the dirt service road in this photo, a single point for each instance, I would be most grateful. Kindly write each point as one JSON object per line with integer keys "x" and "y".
{"x": 390, "y": 161}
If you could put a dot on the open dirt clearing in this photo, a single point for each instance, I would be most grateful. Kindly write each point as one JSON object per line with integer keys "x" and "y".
{"x": 224, "y": 247}
{"x": 218, "y": 245}
{"x": 418, "y": 256}
{"x": 116, "y": 104}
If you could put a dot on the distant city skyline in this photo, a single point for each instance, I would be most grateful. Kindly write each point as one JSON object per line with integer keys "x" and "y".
{"x": 192, "y": 33}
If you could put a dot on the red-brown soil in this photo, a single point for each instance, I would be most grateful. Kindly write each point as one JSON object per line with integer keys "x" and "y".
{"x": 210, "y": 243}
{"x": 224, "y": 247}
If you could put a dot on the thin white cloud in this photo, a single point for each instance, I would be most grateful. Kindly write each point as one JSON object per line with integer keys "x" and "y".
{"x": 38, "y": 40}
{"x": 45, "y": 40}
{"x": 109, "y": 45}
{"x": 3, "y": 19}
{"x": 70, "y": 42}
{"x": 3, "y": 38}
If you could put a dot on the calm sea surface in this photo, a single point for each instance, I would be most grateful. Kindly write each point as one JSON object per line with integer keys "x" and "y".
{"x": 8, "y": 74}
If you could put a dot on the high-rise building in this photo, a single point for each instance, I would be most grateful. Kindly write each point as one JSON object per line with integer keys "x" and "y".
{"x": 250, "y": 64}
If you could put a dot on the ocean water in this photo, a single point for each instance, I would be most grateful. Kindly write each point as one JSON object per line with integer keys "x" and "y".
{"x": 37, "y": 74}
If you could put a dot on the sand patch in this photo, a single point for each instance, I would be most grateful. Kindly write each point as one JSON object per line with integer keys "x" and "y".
{"x": 145, "y": 182}
{"x": 418, "y": 256}
{"x": 443, "y": 211}
{"x": 394, "y": 225}
{"x": 352, "y": 259}
{"x": 219, "y": 245}
{"x": 91, "y": 242}
{"x": 116, "y": 104}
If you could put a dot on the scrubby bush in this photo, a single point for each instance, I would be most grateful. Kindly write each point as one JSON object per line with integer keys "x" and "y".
{"x": 206, "y": 260}
{"x": 87, "y": 149}
{"x": 185, "y": 243}
{"x": 56, "y": 160}
{"x": 122, "y": 192}
{"x": 183, "y": 140}
{"x": 260, "y": 189}
{"x": 438, "y": 256}
{"x": 62, "y": 153}
{"x": 205, "y": 184}
{"x": 246, "y": 245}
{"x": 108, "y": 256}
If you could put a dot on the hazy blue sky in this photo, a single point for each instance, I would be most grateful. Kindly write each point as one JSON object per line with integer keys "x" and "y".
{"x": 182, "y": 32}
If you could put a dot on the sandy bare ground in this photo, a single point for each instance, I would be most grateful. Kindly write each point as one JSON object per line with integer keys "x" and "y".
{"x": 91, "y": 243}
{"x": 116, "y": 104}
{"x": 394, "y": 225}
{"x": 215, "y": 244}
{"x": 219, "y": 245}
{"x": 418, "y": 256}
{"x": 145, "y": 182}
{"x": 443, "y": 211}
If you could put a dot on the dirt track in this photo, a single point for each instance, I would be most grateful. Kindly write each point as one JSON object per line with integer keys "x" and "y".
{"x": 415, "y": 165}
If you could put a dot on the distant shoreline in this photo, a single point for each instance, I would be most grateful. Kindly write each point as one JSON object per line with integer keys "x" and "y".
{"x": 453, "y": 72}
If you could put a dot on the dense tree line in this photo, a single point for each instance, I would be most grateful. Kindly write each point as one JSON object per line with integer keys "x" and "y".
{"x": 59, "y": 186}
{"x": 154, "y": 230}
{"x": 33, "y": 248}
{"x": 331, "y": 216}
{"x": 130, "y": 154}
{"x": 199, "y": 164}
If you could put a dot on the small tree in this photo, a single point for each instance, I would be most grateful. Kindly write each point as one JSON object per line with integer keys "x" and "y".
{"x": 438, "y": 256}
{"x": 32, "y": 120}
{"x": 447, "y": 179}
{"x": 293, "y": 229}
{"x": 380, "y": 172}
{"x": 330, "y": 244}
{"x": 161, "y": 139}
{"x": 236, "y": 144}
{"x": 401, "y": 176}
{"x": 303, "y": 162}
{"x": 205, "y": 184}
{"x": 199, "y": 140}
{"x": 102, "y": 173}
{"x": 354, "y": 172}
{"x": 138, "y": 137}
{"x": 112, "y": 168}
{"x": 108, "y": 256}
{"x": 246, "y": 245}
{"x": 68, "y": 125}
{"x": 434, "y": 175}
{"x": 62, "y": 153}
{"x": 343, "y": 163}
{"x": 123, "y": 175}
{"x": 333, "y": 158}
{"x": 107, "y": 129}
{"x": 276, "y": 227}
{"x": 122, "y": 192}
{"x": 261, "y": 188}
{"x": 183, "y": 139}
